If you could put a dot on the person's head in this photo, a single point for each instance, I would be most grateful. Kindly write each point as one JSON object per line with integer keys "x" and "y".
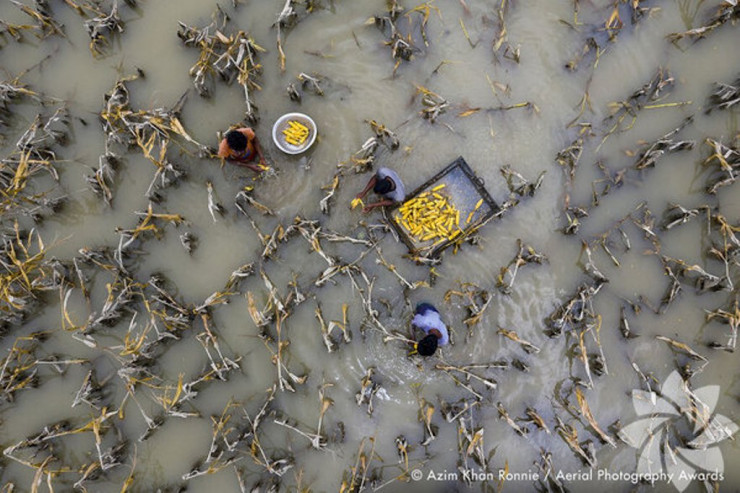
{"x": 423, "y": 308}
{"x": 427, "y": 346}
{"x": 236, "y": 140}
{"x": 383, "y": 185}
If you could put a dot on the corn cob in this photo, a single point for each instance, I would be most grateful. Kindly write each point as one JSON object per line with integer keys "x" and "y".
{"x": 430, "y": 216}
{"x": 295, "y": 133}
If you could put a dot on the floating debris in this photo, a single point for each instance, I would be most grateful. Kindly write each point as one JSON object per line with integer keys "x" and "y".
{"x": 400, "y": 30}
{"x": 662, "y": 146}
{"x": 384, "y": 134}
{"x": 231, "y": 57}
{"x": 292, "y": 13}
{"x": 147, "y": 224}
{"x": 470, "y": 441}
{"x": 12, "y": 91}
{"x": 293, "y": 93}
{"x": 727, "y": 160}
{"x": 19, "y": 369}
{"x": 425, "y": 415}
{"x": 354, "y": 479}
{"x": 26, "y": 275}
{"x": 277, "y": 348}
{"x": 681, "y": 347}
{"x": 725, "y": 96}
{"x": 500, "y": 45}
{"x": 624, "y": 325}
{"x": 569, "y": 434}
{"x": 317, "y": 440}
{"x": 477, "y": 300}
{"x": 537, "y": 420}
{"x": 407, "y": 285}
{"x": 45, "y": 23}
{"x": 504, "y": 414}
{"x": 731, "y": 317}
{"x": 369, "y": 387}
{"x": 676, "y": 215}
{"x": 589, "y": 46}
{"x": 101, "y": 25}
{"x": 518, "y": 184}
{"x": 589, "y": 267}
{"x": 646, "y": 97}
{"x": 569, "y": 157}
{"x": 586, "y": 413}
{"x": 703, "y": 281}
{"x": 101, "y": 181}
{"x": 311, "y": 81}
{"x": 214, "y": 207}
{"x": 22, "y": 195}
{"x": 512, "y": 335}
{"x": 728, "y": 10}
{"x": 549, "y": 478}
{"x": 488, "y": 383}
{"x": 362, "y": 160}
{"x": 188, "y": 242}
{"x": 576, "y": 309}
{"x": 525, "y": 255}
{"x": 434, "y": 104}
{"x": 148, "y": 130}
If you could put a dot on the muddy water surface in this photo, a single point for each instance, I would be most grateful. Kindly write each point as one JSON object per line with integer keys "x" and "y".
{"x": 487, "y": 123}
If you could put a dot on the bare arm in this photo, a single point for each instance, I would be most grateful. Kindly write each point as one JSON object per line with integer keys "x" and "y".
{"x": 369, "y": 185}
{"x": 245, "y": 164}
{"x": 258, "y": 148}
{"x": 382, "y": 203}
{"x": 223, "y": 149}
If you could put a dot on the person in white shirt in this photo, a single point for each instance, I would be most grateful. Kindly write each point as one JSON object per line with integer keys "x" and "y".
{"x": 427, "y": 319}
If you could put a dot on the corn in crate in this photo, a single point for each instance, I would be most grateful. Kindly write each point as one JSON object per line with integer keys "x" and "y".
{"x": 443, "y": 211}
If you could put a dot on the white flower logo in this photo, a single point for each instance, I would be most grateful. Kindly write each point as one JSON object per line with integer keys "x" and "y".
{"x": 679, "y": 416}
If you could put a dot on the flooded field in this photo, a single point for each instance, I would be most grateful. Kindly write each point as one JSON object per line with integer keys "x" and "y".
{"x": 171, "y": 322}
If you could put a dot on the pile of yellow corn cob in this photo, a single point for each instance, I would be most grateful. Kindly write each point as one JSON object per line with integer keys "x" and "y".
{"x": 295, "y": 133}
{"x": 430, "y": 216}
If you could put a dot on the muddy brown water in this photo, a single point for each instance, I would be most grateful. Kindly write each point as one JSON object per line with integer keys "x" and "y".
{"x": 336, "y": 42}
